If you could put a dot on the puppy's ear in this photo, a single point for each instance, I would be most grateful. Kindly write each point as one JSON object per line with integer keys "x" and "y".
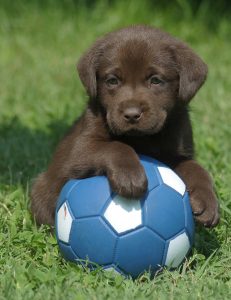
{"x": 87, "y": 68}
{"x": 192, "y": 71}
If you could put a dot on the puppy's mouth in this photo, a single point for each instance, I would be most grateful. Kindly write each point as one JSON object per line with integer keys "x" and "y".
{"x": 120, "y": 128}
{"x": 131, "y": 132}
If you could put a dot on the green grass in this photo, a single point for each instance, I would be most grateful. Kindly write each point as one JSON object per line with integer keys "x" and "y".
{"x": 40, "y": 96}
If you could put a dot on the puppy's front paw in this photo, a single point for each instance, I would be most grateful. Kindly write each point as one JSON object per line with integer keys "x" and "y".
{"x": 128, "y": 180}
{"x": 205, "y": 206}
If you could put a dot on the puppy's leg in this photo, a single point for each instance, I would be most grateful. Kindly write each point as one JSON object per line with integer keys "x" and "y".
{"x": 90, "y": 157}
{"x": 202, "y": 196}
{"x": 122, "y": 166}
{"x": 44, "y": 194}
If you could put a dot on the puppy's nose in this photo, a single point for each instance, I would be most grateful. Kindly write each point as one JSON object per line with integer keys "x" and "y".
{"x": 132, "y": 114}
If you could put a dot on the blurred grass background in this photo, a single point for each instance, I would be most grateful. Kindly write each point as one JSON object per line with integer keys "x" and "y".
{"x": 41, "y": 95}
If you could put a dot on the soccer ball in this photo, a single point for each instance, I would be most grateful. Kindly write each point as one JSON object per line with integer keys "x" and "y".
{"x": 96, "y": 226}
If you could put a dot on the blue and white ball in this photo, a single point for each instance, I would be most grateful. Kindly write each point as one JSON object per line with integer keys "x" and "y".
{"x": 129, "y": 236}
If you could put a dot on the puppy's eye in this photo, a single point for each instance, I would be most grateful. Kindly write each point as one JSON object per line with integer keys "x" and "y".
{"x": 155, "y": 80}
{"x": 112, "y": 81}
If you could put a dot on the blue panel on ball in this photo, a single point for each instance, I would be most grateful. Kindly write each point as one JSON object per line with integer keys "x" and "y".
{"x": 66, "y": 191}
{"x": 89, "y": 197}
{"x": 164, "y": 211}
{"x": 149, "y": 166}
{"x": 67, "y": 252}
{"x": 189, "y": 221}
{"x": 138, "y": 251}
{"x": 93, "y": 240}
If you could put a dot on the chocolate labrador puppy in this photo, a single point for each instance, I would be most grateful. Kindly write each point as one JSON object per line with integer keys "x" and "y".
{"x": 140, "y": 81}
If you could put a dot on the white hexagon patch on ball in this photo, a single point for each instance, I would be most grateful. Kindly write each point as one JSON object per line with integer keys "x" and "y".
{"x": 171, "y": 179}
{"x": 112, "y": 270}
{"x": 177, "y": 250}
{"x": 123, "y": 214}
{"x": 64, "y": 222}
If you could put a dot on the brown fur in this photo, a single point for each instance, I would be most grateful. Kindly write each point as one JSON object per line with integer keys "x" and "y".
{"x": 139, "y": 81}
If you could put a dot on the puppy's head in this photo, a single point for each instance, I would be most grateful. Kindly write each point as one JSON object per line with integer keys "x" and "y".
{"x": 138, "y": 75}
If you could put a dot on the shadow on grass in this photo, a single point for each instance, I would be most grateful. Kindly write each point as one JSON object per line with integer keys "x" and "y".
{"x": 206, "y": 241}
{"x": 25, "y": 152}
